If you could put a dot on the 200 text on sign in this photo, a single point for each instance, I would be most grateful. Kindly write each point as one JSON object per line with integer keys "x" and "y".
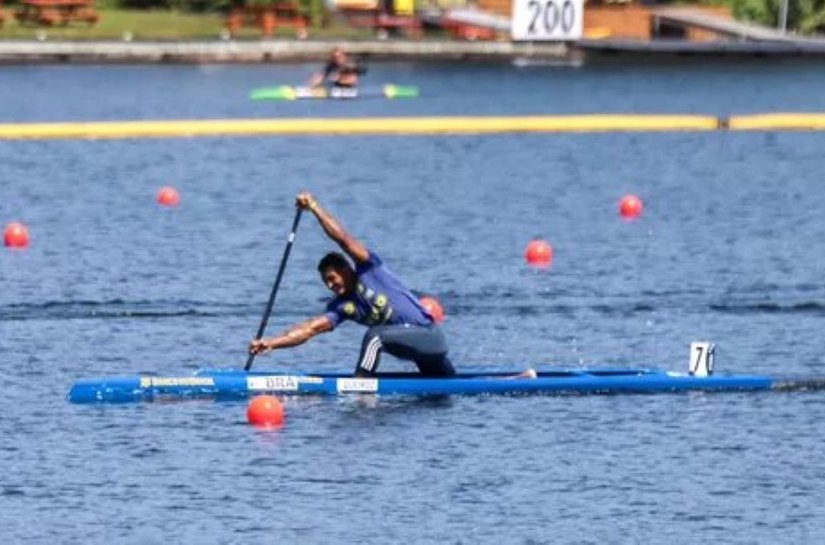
{"x": 547, "y": 20}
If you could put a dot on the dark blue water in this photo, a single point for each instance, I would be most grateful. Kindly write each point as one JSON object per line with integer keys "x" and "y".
{"x": 729, "y": 249}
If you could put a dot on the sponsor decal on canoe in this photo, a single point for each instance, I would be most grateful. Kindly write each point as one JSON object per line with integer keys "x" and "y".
{"x": 345, "y": 385}
{"x": 160, "y": 382}
{"x": 275, "y": 383}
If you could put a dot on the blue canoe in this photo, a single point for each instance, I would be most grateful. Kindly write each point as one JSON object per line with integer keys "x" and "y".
{"x": 235, "y": 384}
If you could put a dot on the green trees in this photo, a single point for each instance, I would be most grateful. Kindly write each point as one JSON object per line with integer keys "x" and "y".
{"x": 804, "y": 16}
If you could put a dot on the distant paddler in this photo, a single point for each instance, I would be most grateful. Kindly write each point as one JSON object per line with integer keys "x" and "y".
{"x": 340, "y": 71}
{"x": 367, "y": 292}
{"x": 338, "y": 80}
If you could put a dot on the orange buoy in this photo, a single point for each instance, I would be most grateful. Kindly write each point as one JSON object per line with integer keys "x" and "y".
{"x": 168, "y": 196}
{"x": 630, "y": 207}
{"x": 538, "y": 253}
{"x": 433, "y": 307}
{"x": 265, "y": 411}
{"x": 15, "y": 235}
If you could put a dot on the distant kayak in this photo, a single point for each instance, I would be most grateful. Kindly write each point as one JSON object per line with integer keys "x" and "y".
{"x": 286, "y": 92}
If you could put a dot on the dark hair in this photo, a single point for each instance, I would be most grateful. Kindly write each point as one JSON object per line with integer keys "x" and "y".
{"x": 336, "y": 260}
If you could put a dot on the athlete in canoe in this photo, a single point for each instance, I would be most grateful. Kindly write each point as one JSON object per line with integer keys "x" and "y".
{"x": 339, "y": 71}
{"x": 369, "y": 294}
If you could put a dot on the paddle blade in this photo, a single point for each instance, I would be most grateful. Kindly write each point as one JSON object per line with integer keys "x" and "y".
{"x": 400, "y": 91}
{"x": 284, "y": 92}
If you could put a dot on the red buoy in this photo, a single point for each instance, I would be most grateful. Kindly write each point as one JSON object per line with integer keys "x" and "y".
{"x": 15, "y": 235}
{"x": 168, "y": 196}
{"x": 433, "y": 307}
{"x": 538, "y": 253}
{"x": 630, "y": 207}
{"x": 265, "y": 411}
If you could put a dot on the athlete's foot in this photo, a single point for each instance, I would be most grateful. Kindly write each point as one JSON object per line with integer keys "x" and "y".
{"x": 529, "y": 373}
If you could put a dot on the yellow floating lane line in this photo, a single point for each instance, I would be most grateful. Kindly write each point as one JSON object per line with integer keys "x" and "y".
{"x": 778, "y": 122}
{"x": 363, "y": 126}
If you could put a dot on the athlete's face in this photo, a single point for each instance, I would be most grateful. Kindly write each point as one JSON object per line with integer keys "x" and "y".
{"x": 338, "y": 281}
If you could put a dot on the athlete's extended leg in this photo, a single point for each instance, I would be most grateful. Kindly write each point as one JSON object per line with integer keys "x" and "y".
{"x": 425, "y": 345}
{"x": 370, "y": 352}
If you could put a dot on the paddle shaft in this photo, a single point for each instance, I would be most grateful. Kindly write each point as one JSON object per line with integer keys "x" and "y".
{"x": 274, "y": 292}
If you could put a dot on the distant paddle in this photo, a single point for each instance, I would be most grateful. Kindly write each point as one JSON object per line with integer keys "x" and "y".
{"x": 272, "y": 295}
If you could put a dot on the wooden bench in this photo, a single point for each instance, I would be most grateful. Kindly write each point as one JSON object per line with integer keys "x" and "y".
{"x": 381, "y": 21}
{"x": 56, "y": 12}
{"x": 284, "y": 13}
{"x": 383, "y": 16}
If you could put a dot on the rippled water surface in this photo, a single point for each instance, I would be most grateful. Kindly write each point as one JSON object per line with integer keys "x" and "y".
{"x": 729, "y": 249}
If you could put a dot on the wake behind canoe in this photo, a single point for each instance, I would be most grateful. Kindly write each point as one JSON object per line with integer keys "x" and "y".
{"x": 238, "y": 384}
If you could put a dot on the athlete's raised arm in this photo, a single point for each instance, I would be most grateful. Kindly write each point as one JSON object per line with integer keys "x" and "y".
{"x": 351, "y": 246}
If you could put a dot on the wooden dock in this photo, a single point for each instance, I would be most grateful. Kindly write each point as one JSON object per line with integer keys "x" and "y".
{"x": 738, "y": 30}
{"x": 720, "y": 49}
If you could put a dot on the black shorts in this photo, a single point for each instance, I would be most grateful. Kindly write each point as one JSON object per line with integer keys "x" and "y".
{"x": 424, "y": 345}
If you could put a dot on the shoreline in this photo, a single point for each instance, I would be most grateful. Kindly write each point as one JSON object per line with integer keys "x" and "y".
{"x": 294, "y": 51}
{"x": 268, "y": 51}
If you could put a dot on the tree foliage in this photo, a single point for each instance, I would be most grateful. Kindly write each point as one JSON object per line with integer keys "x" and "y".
{"x": 804, "y": 16}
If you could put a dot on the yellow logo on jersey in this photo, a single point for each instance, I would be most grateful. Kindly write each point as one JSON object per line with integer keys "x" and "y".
{"x": 381, "y": 301}
{"x": 349, "y": 308}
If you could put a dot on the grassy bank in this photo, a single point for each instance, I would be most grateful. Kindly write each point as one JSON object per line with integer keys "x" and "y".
{"x": 117, "y": 24}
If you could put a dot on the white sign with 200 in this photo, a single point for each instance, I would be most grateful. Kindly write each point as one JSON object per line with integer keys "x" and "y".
{"x": 547, "y": 20}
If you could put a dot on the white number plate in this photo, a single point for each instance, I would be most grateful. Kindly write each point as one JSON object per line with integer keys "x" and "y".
{"x": 701, "y": 359}
{"x": 547, "y": 20}
{"x": 369, "y": 385}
